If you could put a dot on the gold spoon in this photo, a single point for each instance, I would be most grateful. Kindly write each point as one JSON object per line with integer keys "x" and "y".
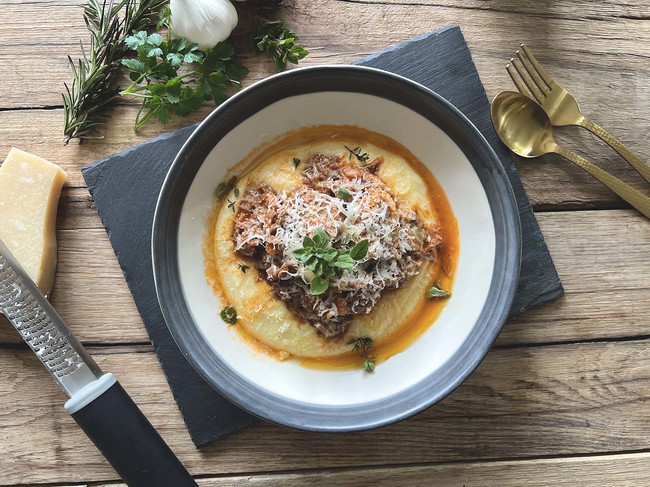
{"x": 525, "y": 128}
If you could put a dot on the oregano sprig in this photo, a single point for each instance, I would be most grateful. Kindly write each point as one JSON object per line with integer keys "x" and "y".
{"x": 326, "y": 261}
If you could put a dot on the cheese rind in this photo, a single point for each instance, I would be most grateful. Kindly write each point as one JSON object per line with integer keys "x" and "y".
{"x": 29, "y": 194}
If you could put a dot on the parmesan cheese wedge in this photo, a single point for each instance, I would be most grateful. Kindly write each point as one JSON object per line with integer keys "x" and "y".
{"x": 29, "y": 194}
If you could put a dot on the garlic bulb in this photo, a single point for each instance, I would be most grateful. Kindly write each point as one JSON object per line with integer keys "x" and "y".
{"x": 205, "y": 22}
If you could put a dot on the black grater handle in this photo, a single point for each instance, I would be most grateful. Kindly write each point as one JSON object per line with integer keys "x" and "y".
{"x": 129, "y": 442}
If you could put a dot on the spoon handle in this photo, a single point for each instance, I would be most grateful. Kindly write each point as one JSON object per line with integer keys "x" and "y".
{"x": 637, "y": 199}
{"x": 641, "y": 167}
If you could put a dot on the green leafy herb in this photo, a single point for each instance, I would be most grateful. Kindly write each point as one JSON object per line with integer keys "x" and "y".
{"x": 229, "y": 315}
{"x": 243, "y": 267}
{"x": 278, "y": 43}
{"x": 360, "y": 250}
{"x": 326, "y": 261}
{"x": 318, "y": 285}
{"x": 163, "y": 91}
{"x": 356, "y": 152}
{"x": 364, "y": 345}
{"x": 94, "y": 75}
{"x": 164, "y": 18}
{"x": 224, "y": 188}
{"x": 436, "y": 292}
{"x": 236, "y": 193}
{"x": 296, "y": 162}
{"x": 231, "y": 205}
{"x": 343, "y": 194}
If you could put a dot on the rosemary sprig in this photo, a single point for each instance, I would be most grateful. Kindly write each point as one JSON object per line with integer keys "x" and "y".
{"x": 93, "y": 89}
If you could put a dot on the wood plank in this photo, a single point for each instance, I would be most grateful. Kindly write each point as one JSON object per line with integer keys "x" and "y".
{"x": 600, "y": 255}
{"x": 606, "y": 68}
{"x": 540, "y": 401}
{"x": 594, "y": 471}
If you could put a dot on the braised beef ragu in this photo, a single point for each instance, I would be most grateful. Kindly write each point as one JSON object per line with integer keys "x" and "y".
{"x": 270, "y": 226}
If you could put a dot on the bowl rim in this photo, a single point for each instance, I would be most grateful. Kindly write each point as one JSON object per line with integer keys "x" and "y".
{"x": 309, "y": 416}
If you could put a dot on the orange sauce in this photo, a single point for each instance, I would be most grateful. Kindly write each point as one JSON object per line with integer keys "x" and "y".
{"x": 428, "y": 310}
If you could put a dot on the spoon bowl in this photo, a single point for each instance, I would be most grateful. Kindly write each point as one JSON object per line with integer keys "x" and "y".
{"x": 522, "y": 125}
{"x": 526, "y": 129}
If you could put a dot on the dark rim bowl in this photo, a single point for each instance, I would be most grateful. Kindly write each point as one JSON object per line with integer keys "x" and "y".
{"x": 315, "y": 417}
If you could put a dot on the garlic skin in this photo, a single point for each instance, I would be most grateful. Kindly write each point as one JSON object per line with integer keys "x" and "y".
{"x": 204, "y": 22}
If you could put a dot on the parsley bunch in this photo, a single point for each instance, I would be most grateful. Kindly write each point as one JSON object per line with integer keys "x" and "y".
{"x": 326, "y": 261}
{"x": 163, "y": 90}
{"x": 279, "y": 43}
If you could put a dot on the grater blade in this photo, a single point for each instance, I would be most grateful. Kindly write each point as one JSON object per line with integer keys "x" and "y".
{"x": 42, "y": 328}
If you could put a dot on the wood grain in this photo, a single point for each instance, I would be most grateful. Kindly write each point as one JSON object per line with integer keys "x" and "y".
{"x": 539, "y": 401}
{"x": 601, "y": 257}
{"x": 596, "y": 471}
{"x": 562, "y": 401}
{"x": 606, "y": 68}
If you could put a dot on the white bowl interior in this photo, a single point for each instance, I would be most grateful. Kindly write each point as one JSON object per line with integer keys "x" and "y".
{"x": 475, "y": 264}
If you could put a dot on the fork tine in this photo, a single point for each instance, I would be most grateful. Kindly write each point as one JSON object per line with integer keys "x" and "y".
{"x": 547, "y": 79}
{"x": 515, "y": 79}
{"x": 533, "y": 73}
{"x": 538, "y": 96}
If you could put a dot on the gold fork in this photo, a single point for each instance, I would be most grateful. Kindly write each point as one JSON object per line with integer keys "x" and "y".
{"x": 561, "y": 107}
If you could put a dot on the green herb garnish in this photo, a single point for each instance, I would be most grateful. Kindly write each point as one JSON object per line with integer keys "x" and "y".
{"x": 356, "y": 152}
{"x": 364, "y": 345}
{"x": 343, "y": 194}
{"x": 278, "y": 43}
{"x": 94, "y": 75}
{"x": 224, "y": 188}
{"x": 231, "y": 205}
{"x": 163, "y": 91}
{"x": 325, "y": 261}
{"x": 296, "y": 162}
{"x": 229, "y": 315}
{"x": 437, "y": 292}
{"x": 243, "y": 267}
{"x": 360, "y": 250}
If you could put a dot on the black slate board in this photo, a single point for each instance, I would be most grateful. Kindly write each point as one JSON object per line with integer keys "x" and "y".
{"x": 125, "y": 188}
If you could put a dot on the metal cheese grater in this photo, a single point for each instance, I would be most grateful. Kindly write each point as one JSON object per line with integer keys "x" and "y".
{"x": 98, "y": 403}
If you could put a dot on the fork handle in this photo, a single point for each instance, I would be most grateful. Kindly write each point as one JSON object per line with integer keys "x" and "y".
{"x": 641, "y": 167}
{"x": 637, "y": 199}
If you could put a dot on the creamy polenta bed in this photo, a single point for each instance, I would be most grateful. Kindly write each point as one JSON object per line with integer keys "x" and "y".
{"x": 333, "y": 245}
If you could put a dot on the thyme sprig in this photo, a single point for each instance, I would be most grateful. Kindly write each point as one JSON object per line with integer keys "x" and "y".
{"x": 93, "y": 89}
{"x": 278, "y": 42}
{"x": 356, "y": 152}
{"x": 364, "y": 345}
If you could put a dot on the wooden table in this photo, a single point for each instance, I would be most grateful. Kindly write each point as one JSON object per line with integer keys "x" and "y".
{"x": 564, "y": 396}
